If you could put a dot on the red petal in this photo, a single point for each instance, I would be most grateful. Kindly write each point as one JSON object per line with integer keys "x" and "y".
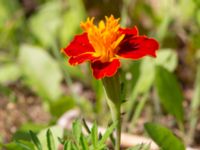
{"x": 75, "y": 60}
{"x": 79, "y": 45}
{"x": 137, "y": 47}
{"x": 129, "y": 31}
{"x": 107, "y": 69}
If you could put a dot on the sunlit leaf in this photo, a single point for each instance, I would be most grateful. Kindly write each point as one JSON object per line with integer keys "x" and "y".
{"x": 146, "y": 78}
{"x": 56, "y": 132}
{"x": 44, "y": 24}
{"x": 71, "y": 20}
{"x": 41, "y": 71}
{"x": 188, "y": 7}
{"x": 167, "y": 58}
{"x": 9, "y": 73}
{"x": 143, "y": 84}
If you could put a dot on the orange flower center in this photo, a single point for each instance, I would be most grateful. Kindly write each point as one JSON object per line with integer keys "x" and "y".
{"x": 104, "y": 38}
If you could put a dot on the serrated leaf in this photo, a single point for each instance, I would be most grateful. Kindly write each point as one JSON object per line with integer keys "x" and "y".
{"x": 164, "y": 137}
{"x": 50, "y": 140}
{"x": 35, "y": 140}
{"x": 42, "y": 72}
{"x": 169, "y": 92}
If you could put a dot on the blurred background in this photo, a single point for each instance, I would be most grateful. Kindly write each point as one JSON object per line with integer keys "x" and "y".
{"x": 37, "y": 85}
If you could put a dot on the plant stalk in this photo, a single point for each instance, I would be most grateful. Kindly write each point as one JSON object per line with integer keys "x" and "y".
{"x": 118, "y": 129}
{"x": 113, "y": 91}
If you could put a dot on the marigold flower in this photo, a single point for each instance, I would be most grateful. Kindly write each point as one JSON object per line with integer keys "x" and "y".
{"x": 104, "y": 44}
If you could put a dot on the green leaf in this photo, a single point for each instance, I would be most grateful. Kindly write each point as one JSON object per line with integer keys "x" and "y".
{"x": 16, "y": 146}
{"x": 145, "y": 82}
{"x": 32, "y": 126}
{"x": 42, "y": 72}
{"x": 94, "y": 134}
{"x": 25, "y": 145}
{"x": 77, "y": 130}
{"x": 6, "y": 91}
{"x": 35, "y": 140}
{"x": 6, "y": 12}
{"x": 57, "y": 131}
{"x": 84, "y": 143}
{"x": 188, "y": 14}
{"x": 9, "y": 73}
{"x": 107, "y": 134}
{"x": 67, "y": 145}
{"x": 44, "y": 24}
{"x": 22, "y": 133}
{"x": 163, "y": 137}
{"x": 167, "y": 58}
{"x": 169, "y": 92}
{"x": 50, "y": 140}
{"x": 64, "y": 103}
{"x": 71, "y": 20}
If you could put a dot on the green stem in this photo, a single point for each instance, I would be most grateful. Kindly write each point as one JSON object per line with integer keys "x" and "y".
{"x": 118, "y": 129}
{"x": 116, "y": 117}
{"x": 113, "y": 91}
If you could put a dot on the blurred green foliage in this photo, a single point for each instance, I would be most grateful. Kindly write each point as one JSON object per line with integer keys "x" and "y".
{"x": 32, "y": 32}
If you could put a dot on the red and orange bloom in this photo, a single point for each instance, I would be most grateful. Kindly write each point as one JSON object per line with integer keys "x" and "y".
{"x": 104, "y": 44}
